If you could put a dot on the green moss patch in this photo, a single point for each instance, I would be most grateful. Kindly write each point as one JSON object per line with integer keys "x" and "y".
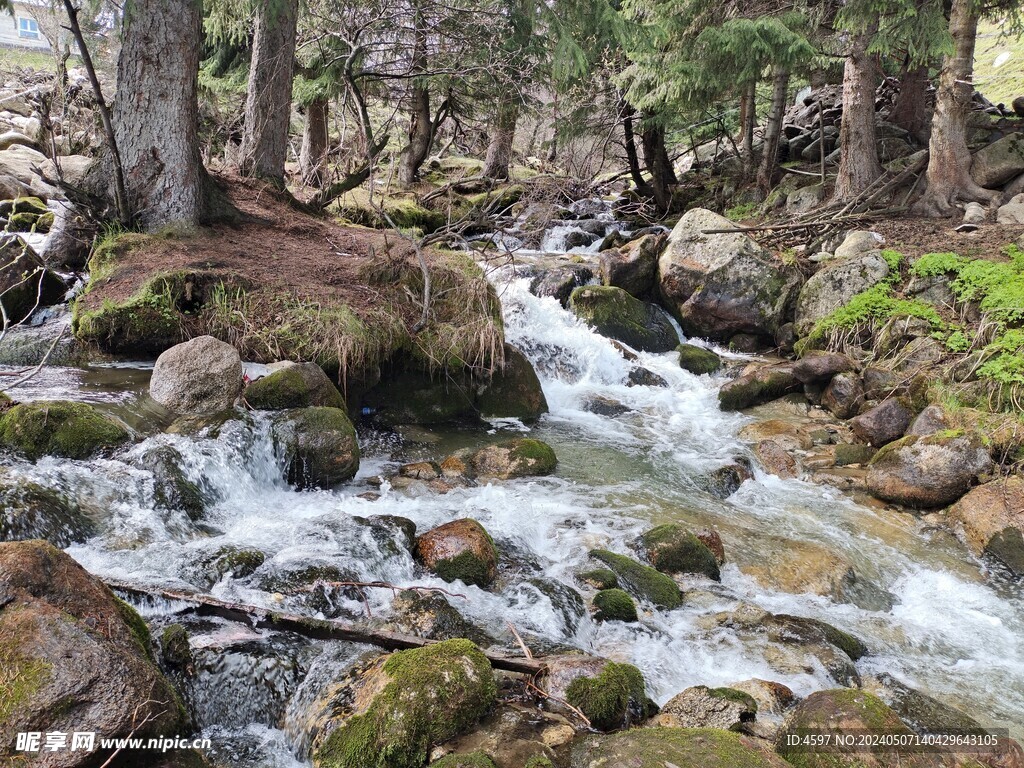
{"x": 683, "y": 747}
{"x": 672, "y": 549}
{"x": 642, "y": 581}
{"x": 613, "y": 699}
{"x": 599, "y": 578}
{"x": 20, "y": 678}
{"x": 472, "y": 760}
{"x": 698, "y": 360}
{"x": 614, "y": 605}
{"x": 59, "y": 428}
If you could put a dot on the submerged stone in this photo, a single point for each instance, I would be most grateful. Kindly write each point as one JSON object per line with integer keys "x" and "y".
{"x": 30, "y": 511}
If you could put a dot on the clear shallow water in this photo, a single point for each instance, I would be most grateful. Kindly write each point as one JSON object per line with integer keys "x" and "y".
{"x": 950, "y": 632}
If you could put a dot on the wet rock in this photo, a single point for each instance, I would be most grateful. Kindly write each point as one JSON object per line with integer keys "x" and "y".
{"x": 389, "y": 713}
{"x": 641, "y": 581}
{"x": 514, "y": 391}
{"x": 210, "y": 567}
{"x": 414, "y": 397}
{"x": 834, "y": 285}
{"x": 725, "y": 481}
{"x": 850, "y": 453}
{"x": 520, "y": 457}
{"x": 703, "y": 707}
{"x": 821, "y": 367}
{"x": 642, "y": 377}
{"x": 884, "y": 423}
{"x": 671, "y": 548}
{"x": 991, "y": 521}
{"x": 599, "y": 578}
{"x": 80, "y": 659}
{"x": 759, "y": 386}
{"x": 70, "y": 240}
{"x": 930, "y": 471}
{"x": 171, "y": 488}
{"x": 746, "y": 343}
{"x": 807, "y": 630}
{"x": 560, "y": 282}
{"x": 698, "y": 360}
{"x": 614, "y": 605}
{"x": 203, "y": 375}
{"x": 615, "y": 314}
{"x": 59, "y": 428}
{"x": 722, "y": 284}
{"x": 932, "y": 419}
{"x": 921, "y": 712}
{"x": 566, "y": 601}
{"x": 293, "y": 385}
{"x": 175, "y": 650}
{"x": 19, "y": 296}
{"x": 430, "y": 616}
{"x": 515, "y": 736}
{"x": 775, "y": 459}
{"x": 772, "y": 698}
{"x": 633, "y": 267}
{"x": 611, "y": 695}
{"x": 460, "y": 550}
{"x": 30, "y": 511}
{"x": 681, "y": 747}
{"x": 843, "y": 396}
{"x": 471, "y": 760}
{"x": 997, "y": 163}
{"x": 791, "y": 436}
{"x": 840, "y": 711}
{"x": 711, "y": 539}
{"x": 320, "y": 446}
{"x": 605, "y": 406}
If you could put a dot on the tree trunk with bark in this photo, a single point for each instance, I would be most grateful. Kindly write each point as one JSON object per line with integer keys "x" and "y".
{"x": 773, "y": 130}
{"x": 910, "y": 112}
{"x": 629, "y": 141}
{"x": 314, "y": 143}
{"x": 659, "y": 165}
{"x": 268, "y": 103}
{"x": 503, "y": 132}
{"x": 421, "y": 129}
{"x": 949, "y": 159}
{"x": 858, "y": 160}
{"x": 156, "y": 112}
{"x": 748, "y": 119}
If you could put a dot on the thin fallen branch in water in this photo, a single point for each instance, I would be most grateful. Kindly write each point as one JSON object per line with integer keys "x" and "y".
{"x": 532, "y": 685}
{"x": 38, "y": 368}
{"x": 316, "y": 629}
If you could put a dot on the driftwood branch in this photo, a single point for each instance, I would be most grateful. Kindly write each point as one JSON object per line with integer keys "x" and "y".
{"x": 317, "y": 629}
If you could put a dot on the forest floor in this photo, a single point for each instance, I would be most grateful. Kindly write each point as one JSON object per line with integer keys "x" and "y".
{"x": 915, "y": 237}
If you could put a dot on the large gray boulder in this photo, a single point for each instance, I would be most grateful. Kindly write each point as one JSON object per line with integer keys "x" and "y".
{"x": 930, "y": 471}
{"x": 834, "y": 285}
{"x": 1000, "y": 161}
{"x": 203, "y": 375}
{"x": 719, "y": 285}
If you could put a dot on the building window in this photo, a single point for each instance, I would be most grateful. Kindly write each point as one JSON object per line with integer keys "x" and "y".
{"x": 28, "y": 28}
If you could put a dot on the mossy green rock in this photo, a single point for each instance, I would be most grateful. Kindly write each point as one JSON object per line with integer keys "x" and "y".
{"x": 23, "y": 205}
{"x": 30, "y": 511}
{"x": 615, "y": 698}
{"x": 697, "y": 359}
{"x": 680, "y": 747}
{"x": 672, "y": 549}
{"x": 171, "y": 487}
{"x": 404, "y": 704}
{"x": 25, "y": 283}
{"x": 599, "y": 578}
{"x": 614, "y": 605}
{"x": 642, "y": 581}
{"x": 472, "y": 760}
{"x": 293, "y": 385}
{"x": 839, "y": 711}
{"x": 320, "y": 446}
{"x": 75, "y": 653}
{"x": 520, "y": 457}
{"x": 757, "y": 387}
{"x": 851, "y": 453}
{"x": 514, "y": 391}
{"x": 59, "y": 428}
{"x": 174, "y": 647}
{"x": 615, "y": 314}
{"x": 459, "y": 551}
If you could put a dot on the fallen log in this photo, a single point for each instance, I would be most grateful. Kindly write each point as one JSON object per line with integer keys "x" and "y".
{"x": 316, "y": 629}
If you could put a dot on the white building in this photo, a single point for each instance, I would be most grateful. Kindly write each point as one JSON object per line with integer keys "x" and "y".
{"x": 22, "y": 30}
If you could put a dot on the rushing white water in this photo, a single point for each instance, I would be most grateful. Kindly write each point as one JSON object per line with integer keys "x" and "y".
{"x": 949, "y": 631}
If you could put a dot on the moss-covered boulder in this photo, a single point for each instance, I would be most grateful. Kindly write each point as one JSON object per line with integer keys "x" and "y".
{"x": 514, "y": 390}
{"x": 703, "y": 707}
{"x": 415, "y": 397}
{"x": 30, "y": 511}
{"x": 459, "y": 551}
{"x": 641, "y": 581}
{"x": 172, "y": 489}
{"x": 25, "y": 283}
{"x": 472, "y": 760}
{"x": 389, "y": 713}
{"x": 59, "y": 428}
{"x": 679, "y": 747}
{"x": 430, "y": 616}
{"x": 671, "y": 548}
{"x": 293, "y": 385}
{"x": 614, "y": 605}
{"x": 520, "y": 457}
{"x": 840, "y": 711}
{"x": 698, "y": 360}
{"x": 610, "y": 694}
{"x": 599, "y": 578}
{"x": 320, "y": 446}
{"x": 209, "y": 567}
{"x": 75, "y": 658}
{"x": 615, "y": 314}
{"x": 759, "y": 386}
{"x": 991, "y": 520}
{"x": 929, "y": 471}
{"x": 853, "y": 453}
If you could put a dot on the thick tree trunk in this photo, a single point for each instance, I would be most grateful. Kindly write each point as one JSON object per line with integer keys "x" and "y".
{"x": 421, "y": 129}
{"x": 858, "y": 162}
{"x": 910, "y": 112}
{"x": 314, "y": 143}
{"x": 748, "y": 115}
{"x": 156, "y": 112}
{"x": 949, "y": 159}
{"x": 659, "y": 165}
{"x": 503, "y": 132}
{"x": 268, "y": 104}
{"x": 773, "y": 130}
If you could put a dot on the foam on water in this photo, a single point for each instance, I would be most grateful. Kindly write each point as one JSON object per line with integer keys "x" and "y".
{"x": 949, "y": 632}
